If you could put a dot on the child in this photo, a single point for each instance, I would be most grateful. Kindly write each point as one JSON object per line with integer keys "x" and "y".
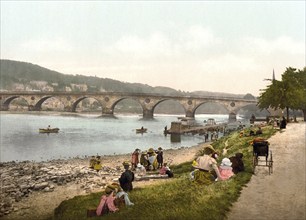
{"x": 135, "y": 158}
{"x": 165, "y": 170}
{"x": 121, "y": 196}
{"x": 140, "y": 170}
{"x": 225, "y": 169}
{"x": 160, "y": 157}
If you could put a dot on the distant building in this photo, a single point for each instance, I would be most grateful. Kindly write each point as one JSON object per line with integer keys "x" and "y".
{"x": 79, "y": 87}
{"x": 68, "y": 89}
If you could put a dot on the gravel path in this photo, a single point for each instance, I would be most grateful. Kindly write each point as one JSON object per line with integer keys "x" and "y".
{"x": 281, "y": 195}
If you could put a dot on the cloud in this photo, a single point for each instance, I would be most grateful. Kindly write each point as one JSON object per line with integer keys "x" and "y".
{"x": 189, "y": 59}
{"x": 47, "y": 45}
{"x": 282, "y": 44}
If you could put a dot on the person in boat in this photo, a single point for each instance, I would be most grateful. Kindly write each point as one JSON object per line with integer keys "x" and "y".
{"x": 126, "y": 178}
{"x": 135, "y": 158}
{"x": 49, "y": 127}
{"x": 206, "y": 167}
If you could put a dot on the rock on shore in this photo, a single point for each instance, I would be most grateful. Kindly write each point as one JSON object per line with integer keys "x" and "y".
{"x": 19, "y": 180}
{"x": 23, "y": 183}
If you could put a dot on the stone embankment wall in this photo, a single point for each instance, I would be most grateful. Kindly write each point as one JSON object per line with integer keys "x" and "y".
{"x": 19, "y": 180}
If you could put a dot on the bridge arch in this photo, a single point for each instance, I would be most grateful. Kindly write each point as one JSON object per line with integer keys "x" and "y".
{"x": 6, "y": 103}
{"x": 76, "y": 103}
{"x": 210, "y": 109}
{"x": 125, "y": 104}
{"x": 38, "y": 105}
{"x": 174, "y": 104}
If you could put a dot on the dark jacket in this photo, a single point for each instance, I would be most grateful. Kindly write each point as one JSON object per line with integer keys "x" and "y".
{"x": 126, "y": 179}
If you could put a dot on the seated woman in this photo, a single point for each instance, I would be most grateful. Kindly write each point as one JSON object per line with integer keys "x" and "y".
{"x": 144, "y": 159}
{"x": 207, "y": 170}
{"x": 225, "y": 169}
{"x": 237, "y": 163}
{"x": 140, "y": 170}
{"x": 107, "y": 204}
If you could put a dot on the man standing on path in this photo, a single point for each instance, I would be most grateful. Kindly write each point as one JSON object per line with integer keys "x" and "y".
{"x": 281, "y": 195}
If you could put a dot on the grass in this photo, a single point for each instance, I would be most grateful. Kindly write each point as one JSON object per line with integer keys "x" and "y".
{"x": 178, "y": 198}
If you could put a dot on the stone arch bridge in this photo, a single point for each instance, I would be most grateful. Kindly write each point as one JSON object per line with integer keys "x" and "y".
{"x": 109, "y": 100}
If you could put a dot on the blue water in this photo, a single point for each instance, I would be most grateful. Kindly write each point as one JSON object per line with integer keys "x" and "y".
{"x": 85, "y": 135}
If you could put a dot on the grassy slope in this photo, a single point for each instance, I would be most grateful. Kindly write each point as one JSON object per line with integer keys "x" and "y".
{"x": 178, "y": 198}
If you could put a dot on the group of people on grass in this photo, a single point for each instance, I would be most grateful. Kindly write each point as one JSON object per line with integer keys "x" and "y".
{"x": 116, "y": 195}
{"x": 150, "y": 159}
{"x": 206, "y": 169}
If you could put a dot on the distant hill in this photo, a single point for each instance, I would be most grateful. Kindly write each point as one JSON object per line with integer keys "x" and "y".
{"x": 22, "y": 76}
{"x": 16, "y": 72}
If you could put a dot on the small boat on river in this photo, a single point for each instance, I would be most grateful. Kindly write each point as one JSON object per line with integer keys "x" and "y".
{"x": 48, "y": 130}
{"x": 141, "y": 130}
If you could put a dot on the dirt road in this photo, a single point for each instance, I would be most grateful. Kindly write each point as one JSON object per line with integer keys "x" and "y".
{"x": 281, "y": 195}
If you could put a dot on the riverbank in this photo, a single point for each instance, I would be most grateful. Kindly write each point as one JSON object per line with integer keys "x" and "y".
{"x": 280, "y": 195}
{"x": 32, "y": 190}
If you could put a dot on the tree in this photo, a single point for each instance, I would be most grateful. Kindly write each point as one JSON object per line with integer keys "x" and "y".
{"x": 288, "y": 93}
{"x": 249, "y": 96}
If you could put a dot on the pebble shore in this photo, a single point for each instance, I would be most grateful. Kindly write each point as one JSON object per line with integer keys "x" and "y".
{"x": 29, "y": 185}
{"x": 19, "y": 180}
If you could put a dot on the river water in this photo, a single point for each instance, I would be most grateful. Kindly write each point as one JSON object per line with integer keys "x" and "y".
{"x": 86, "y": 135}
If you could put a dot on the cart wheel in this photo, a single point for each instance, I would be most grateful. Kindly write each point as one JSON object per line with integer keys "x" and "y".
{"x": 271, "y": 162}
{"x": 254, "y": 163}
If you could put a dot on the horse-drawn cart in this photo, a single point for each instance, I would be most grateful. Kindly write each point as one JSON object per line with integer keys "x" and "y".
{"x": 262, "y": 156}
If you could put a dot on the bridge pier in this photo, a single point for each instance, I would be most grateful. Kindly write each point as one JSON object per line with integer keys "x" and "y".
{"x": 232, "y": 117}
{"x": 4, "y": 108}
{"x": 107, "y": 113}
{"x": 189, "y": 114}
{"x": 147, "y": 114}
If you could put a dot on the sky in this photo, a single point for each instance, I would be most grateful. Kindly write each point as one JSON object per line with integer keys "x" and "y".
{"x": 217, "y": 46}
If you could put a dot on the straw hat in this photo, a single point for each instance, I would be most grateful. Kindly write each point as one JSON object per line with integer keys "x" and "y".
{"x": 109, "y": 189}
{"x": 209, "y": 150}
{"x": 126, "y": 163}
{"x": 151, "y": 150}
{"x": 195, "y": 164}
